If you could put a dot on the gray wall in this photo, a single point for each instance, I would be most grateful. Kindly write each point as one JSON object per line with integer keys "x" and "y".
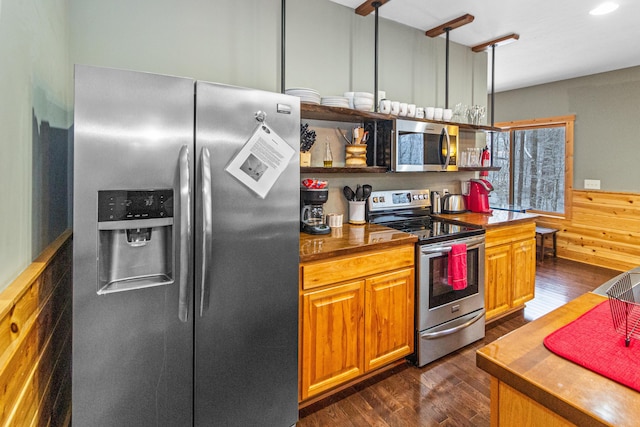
{"x": 607, "y": 127}
{"x": 329, "y": 48}
{"x": 35, "y": 114}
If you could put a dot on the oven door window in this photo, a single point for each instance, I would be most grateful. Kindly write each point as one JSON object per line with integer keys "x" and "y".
{"x": 415, "y": 148}
{"x": 440, "y": 293}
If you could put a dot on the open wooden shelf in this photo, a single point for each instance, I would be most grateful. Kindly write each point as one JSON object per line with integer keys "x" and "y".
{"x": 478, "y": 168}
{"x": 368, "y": 169}
{"x": 337, "y": 114}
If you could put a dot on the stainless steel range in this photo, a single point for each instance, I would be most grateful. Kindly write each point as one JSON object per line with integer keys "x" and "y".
{"x": 446, "y": 319}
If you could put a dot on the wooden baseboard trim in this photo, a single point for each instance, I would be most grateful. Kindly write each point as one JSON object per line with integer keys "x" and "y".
{"x": 504, "y": 314}
{"x": 327, "y": 395}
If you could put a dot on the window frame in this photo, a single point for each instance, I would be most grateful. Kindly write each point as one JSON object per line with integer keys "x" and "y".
{"x": 559, "y": 121}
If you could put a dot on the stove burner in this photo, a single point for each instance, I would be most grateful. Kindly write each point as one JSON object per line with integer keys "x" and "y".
{"x": 425, "y": 227}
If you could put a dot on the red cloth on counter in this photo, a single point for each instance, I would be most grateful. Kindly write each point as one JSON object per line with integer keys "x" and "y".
{"x": 457, "y": 267}
{"x": 591, "y": 341}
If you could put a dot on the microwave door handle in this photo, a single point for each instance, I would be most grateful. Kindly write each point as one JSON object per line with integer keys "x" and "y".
{"x": 207, "y": 228}
{"x": 184, "y": 233}
{"x": 445, "y": 133}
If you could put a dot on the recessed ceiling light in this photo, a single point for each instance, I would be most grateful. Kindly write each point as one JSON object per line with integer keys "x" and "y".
{"x": 604, "y": 8}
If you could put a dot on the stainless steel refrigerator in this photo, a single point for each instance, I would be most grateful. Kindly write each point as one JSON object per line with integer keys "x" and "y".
{"x": 186, "y": 229}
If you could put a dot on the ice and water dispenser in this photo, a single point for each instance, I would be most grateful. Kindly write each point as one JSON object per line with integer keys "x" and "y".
{"x": 135, "y": 247}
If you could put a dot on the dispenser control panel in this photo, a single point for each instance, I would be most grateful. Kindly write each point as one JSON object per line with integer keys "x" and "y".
{"x": 122, "y": 205}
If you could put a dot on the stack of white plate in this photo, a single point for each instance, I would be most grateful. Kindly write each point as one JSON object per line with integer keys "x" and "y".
{"x": 363, "y": 101}
{"x": 310, "y": 96}
{"x": 335, "y": 101}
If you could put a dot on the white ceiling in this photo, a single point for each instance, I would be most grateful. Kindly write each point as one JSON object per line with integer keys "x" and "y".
{"x": 558, "y": 38}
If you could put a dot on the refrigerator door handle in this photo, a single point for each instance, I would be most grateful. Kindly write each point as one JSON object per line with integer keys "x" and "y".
{"x": 207, "y": 227}
{"x": 185, "y": 233}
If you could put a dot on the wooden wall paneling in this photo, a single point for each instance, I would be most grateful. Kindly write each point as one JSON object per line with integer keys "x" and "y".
{"x": 35, "y": 341}
{"x": 603, "y": 229}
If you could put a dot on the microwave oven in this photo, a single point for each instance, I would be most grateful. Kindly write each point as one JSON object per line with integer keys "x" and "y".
{"x": 420, "y": 146}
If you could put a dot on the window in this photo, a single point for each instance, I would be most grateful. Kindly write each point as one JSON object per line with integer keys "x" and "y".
{"x": 536, "y": 164}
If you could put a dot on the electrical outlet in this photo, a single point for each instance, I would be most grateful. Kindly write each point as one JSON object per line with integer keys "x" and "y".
{"x": 591, "y": 184}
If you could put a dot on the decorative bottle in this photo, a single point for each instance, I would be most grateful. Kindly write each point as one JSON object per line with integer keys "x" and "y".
{"x": 328, "y": 158}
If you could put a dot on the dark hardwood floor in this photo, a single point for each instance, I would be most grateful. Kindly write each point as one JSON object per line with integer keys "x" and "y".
{"x": 451, "y": 391}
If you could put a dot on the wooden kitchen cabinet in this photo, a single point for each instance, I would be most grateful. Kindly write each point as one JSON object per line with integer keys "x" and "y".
{"x": 497, "y": 297}
{"x": 388, "y": 318}
{"x": 524, "y": 271}
{"x": 333, "y": 333}
{"x": 356, "y": 316}
{"x": 510, "y": 268}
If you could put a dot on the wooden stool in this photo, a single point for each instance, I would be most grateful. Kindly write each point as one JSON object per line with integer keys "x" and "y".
{"x": 541, "y": 236}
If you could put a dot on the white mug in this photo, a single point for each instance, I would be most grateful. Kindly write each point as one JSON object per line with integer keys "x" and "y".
{"x": 395, "y": 107}
{"x": 334, "y": 220}
{"x": 429, "y": 112}
{"x": 411, "y": 110}
{"x": 447, "y": 114}
{"x": 437, "y": 113}
{"x": 420, "y": 113}
{"x": 403, "y": 109}
{"x": 385, "y": 106}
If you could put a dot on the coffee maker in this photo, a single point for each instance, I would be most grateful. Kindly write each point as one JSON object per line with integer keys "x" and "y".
{"x": 312, "y": 212}
{"x": 478, "y": 198}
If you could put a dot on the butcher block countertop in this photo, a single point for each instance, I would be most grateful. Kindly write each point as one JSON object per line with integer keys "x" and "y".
{"x": 350, "y": 239}
{"x": 521, "y": 361}
{"x": 497, "y": 218}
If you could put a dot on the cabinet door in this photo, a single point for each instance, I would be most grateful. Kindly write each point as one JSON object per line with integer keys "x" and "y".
{"x": 524, "y": 271}
{"x": 389, "y": 330}
{"x": 332, "y": 337}
{"x": 497, "y": 280}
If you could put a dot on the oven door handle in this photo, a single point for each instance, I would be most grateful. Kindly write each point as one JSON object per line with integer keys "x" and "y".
{"x": 445, "y": 332}
{"x": 440, "y": 249}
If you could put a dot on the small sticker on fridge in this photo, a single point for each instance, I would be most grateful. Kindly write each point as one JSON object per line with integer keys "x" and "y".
{"x": 261, "y": 160}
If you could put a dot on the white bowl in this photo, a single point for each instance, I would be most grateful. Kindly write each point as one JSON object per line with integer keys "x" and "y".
{"x": 363, "y": 95}
{"x": 360, "y": 100}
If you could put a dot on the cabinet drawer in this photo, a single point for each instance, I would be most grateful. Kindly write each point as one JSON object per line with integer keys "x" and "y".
{"x": 508, "y": 234}
{"x": 340, "y": 269}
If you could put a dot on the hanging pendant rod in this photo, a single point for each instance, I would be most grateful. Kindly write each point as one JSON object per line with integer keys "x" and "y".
{"x": 365, "y": 9}
{"x": 376, "y": 5}
{"x": 445, "y": 29}
{"x": 500, "y": 41}
{"x": 493, "y": 86}
{"x": 283, "y": 27}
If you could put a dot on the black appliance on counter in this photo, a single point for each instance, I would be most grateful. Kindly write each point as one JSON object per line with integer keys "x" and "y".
{"x": 312, "y": 210}
{"x": 445, "y": 319}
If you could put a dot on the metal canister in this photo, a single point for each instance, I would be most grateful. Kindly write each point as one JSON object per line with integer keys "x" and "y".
{"x": 436, "y": 204}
